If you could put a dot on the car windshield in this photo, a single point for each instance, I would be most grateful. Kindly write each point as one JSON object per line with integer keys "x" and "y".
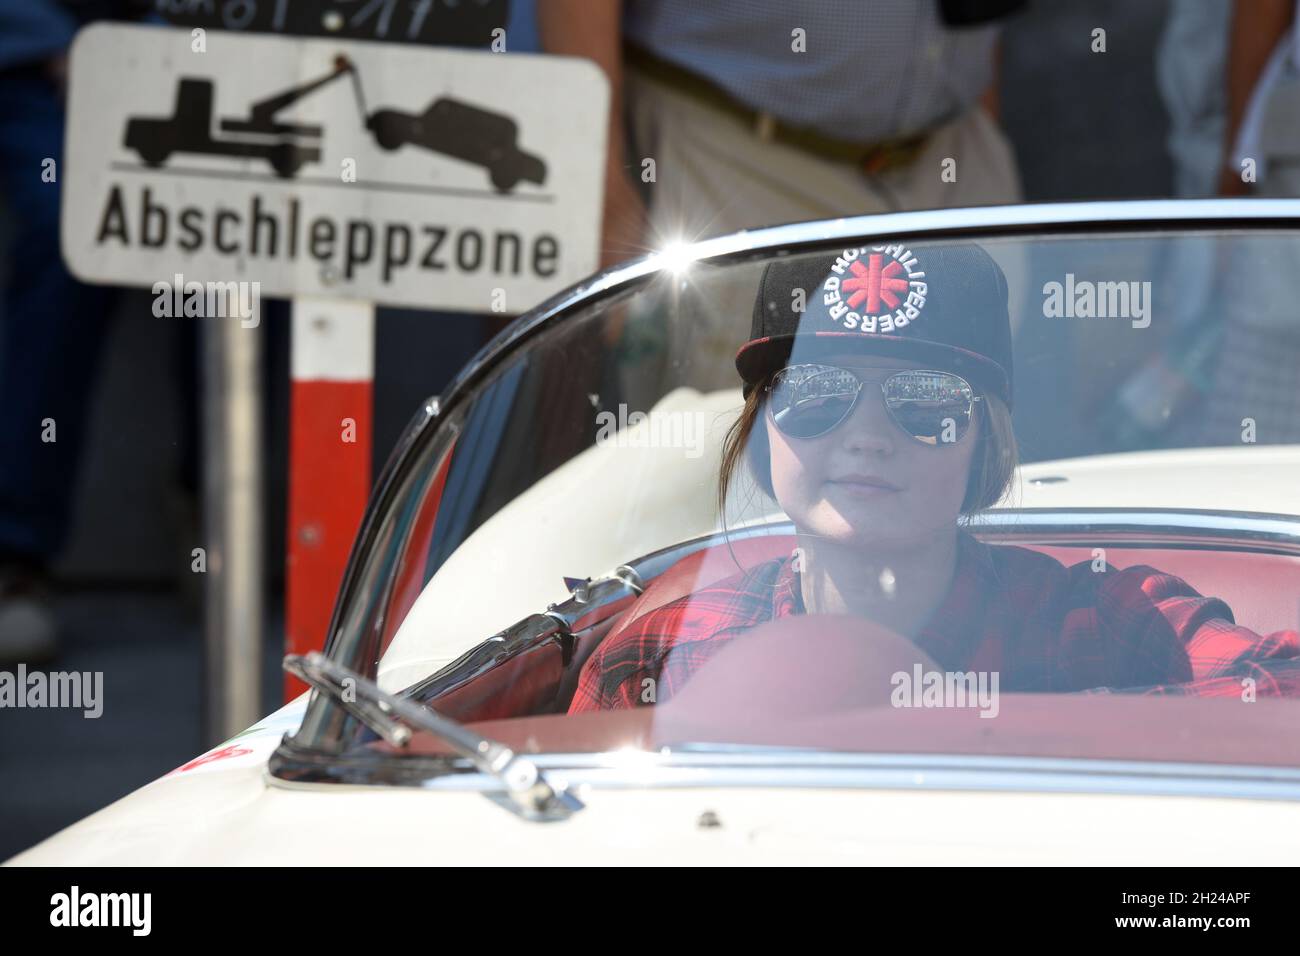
{"x": 894, "y": 493}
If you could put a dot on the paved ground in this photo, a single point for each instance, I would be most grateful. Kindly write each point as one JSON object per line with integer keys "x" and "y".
{"x": 57, "y": 765}
{"x": 1084, "y": 125}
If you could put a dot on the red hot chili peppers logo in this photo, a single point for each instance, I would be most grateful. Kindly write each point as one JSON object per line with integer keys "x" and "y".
{"x": 875, "y": 289}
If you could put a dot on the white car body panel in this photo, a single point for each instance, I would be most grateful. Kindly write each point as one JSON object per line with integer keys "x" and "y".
{"x": 235, "y": 817}
{"x": 1258, "y": 478}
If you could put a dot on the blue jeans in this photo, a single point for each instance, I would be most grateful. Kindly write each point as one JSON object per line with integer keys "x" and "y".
{"x": 51, "y": 328}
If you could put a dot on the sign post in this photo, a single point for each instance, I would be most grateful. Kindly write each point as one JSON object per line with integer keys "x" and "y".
{"x": 331, "y": 367}
{"x": 216, "y": 168}
{"x": 235, "y": 601}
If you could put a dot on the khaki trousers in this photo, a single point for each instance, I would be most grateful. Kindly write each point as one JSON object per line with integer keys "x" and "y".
{"x": 714, "y": 174}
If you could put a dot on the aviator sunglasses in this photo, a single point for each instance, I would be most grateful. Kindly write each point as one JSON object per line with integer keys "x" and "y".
{"x": 808, "y": 401}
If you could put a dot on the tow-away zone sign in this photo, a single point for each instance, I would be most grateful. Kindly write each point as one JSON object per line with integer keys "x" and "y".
{"x": 402, "y": 175}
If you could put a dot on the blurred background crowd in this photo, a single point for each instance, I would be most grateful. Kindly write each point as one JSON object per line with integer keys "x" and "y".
{"x": 1037, "y": 101}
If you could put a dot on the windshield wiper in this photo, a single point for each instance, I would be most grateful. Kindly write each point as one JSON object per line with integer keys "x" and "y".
{"x": 394, "y": 718}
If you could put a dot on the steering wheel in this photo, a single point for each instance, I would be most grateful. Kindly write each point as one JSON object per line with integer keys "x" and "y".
{"x": 800, "y": 666}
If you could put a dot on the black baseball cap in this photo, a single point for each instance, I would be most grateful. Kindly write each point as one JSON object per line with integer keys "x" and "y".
{"x": 945, "y": 305}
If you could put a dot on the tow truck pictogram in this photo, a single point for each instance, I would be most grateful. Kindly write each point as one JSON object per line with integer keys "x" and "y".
{"x": 449, "y": 127}
{"x": 286, "y": 146}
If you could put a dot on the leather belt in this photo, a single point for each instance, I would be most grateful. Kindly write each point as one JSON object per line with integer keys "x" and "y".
{"x": 870, "y": 157}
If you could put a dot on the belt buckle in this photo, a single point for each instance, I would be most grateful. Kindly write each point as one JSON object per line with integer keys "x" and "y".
{"x": 887, "y": 155}
{"x": 877, "y": 159}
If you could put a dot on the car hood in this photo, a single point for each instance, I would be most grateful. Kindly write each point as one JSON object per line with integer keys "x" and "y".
{"x": 223, "y": 809}
{"x": 240, "y": 820}
{"x": 1253, "y": 478}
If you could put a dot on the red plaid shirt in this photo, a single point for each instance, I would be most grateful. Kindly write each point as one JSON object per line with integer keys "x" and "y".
{"x": 1042, "y": 626}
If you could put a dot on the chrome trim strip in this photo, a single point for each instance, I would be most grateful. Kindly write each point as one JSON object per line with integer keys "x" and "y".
{"x": 1123, "y": 527}
{"x": 386, "y": 482}
{"x": 705, "y": 767}
{"x": 554, "y": 625}
{"x": 1140, "y": 527}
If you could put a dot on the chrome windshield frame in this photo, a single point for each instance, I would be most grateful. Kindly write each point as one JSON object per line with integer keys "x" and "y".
{"x": 327, "y": 729}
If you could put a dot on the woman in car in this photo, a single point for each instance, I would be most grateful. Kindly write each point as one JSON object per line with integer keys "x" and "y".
{"x": 877, "y": 416}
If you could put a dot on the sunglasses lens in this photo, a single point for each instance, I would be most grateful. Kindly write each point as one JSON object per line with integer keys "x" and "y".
{"x": 810, "y": 400}
{"x": 930, "y": 406}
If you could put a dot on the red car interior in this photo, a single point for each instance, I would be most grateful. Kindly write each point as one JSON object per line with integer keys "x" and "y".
{"x": 1177, "y": 730}
{"x": 1261, "y": 589}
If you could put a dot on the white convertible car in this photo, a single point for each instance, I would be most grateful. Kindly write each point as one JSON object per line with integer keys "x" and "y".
{"x": 566, "y": 485}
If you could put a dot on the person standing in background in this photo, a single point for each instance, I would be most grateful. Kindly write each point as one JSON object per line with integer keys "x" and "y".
{"x": 744, "y": 113}
{"x": 1262, "y": 96}
{"x": 51, "y": 326}
{"x": 1231, "y": 77}
{"x": 1190, "y": 70}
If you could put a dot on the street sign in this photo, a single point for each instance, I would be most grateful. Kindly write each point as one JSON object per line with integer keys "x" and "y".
{"x": 396, "y": 174}
{"x": 445, "y": 22}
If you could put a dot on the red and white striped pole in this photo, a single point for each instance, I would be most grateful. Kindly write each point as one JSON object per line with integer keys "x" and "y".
{"x": 332, "y": 365}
